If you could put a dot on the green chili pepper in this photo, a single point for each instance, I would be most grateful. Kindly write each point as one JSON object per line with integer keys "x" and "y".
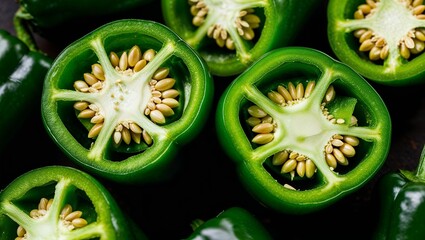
{"x": 231, "y": 35}
{"x": 401, "y": 197}
{"x": 21, "y": 83}
{"x": 233, "y": 223}
{"x": 58, "y": 202}
{"x": 382, "y": 40}
{"x": 301, "y": 131}
{"x": 45, "y": 16}
{"x": 123, "y": 99}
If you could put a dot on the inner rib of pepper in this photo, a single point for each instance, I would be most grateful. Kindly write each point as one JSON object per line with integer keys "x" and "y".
{"x": 390, "y": 32}
{"x": 292, "y": 127}
{"x": 230, "y": 23}
{"x": 125, "y": 97}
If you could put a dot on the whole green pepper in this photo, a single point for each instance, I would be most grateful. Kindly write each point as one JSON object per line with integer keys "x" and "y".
{"x": 301, "y": 131}
{"x": 232, "y": 224}
{"x": 53, "y": 18}
{"x": 382, "y": 40}
{"x": 123, "y": 99}
{"x": 21, "y": 83}
{"x": 58, "y": 202}
{"x": 401, "y": 197}
{"x": 231, "y": 35}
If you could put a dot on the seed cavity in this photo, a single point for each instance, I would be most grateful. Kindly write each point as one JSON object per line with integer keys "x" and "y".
{"x": 69, "y": 218}
{"x": 245, "y": 21}
{"x": 337, "y": 150}
{"x": 164, "y": 97}
{"x": 376, "y": 46}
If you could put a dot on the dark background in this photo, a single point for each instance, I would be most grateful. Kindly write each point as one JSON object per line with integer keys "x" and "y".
{"x": 205, "y": 182}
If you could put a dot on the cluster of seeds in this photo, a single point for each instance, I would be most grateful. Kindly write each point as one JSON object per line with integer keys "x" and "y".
{"x": 412, "y": 43}
{"x": 338, "y": 149}
{"x": 245, "y": 23}
{"x": 69, "y": 218}
{"x": 159, "y": 107}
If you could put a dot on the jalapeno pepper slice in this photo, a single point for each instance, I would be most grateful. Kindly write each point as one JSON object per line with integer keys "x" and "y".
{"x": 303, "y": 129}
{"x": 121, "y": 100}
{"x": 382, "y": 40}
{"x": 58, "y": 202}
{"x": 231, "y": 35}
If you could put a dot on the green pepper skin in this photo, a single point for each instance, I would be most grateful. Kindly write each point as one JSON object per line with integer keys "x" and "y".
{"x": 232, "y": 224}
{"x": 46, "y": 14}
{"x": 401, "y": 197}
{"x": 65, "y": 185}
{"x": 98, "y": 156}
{"x": 281, "y": 23}
{"x": 299, "y": 128}
{"x": 390, "y": 23}
{"x": 21, "y": 84}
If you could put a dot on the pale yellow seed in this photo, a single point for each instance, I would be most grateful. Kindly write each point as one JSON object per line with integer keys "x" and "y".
{"x": 20, "y": 231}
{"x": 256, "y": 111}
{"x": 280, "y": 158}
{"x": 301, "y": 168}
{"x": 299, "y": 91}
{"x": 292, "y": 90}
{"x": 366, "y": 45}
{"x": 140, "y": 65}
{"x": 95, "y": 130}
{"x": 134, "y": 56}
{"x": 384, "y": 52}
{"x": 347, "y": 150}
{"x": 117, "y": 137}
{"x": 136, "y": 137}
{"x": 146, "y": 137}
{"x": 97, "y": 119}
{"x": 418, "y": 9}
{"x": 135, "y": 128}
{"x": 86, "y": 113}
{"x": 165, "y": 84}
{"x": 97, "y": 71}
{"x": 375, "y": 53}
{"x": 404, "y": 51}
{"x": 309, "y": 88}
{"x": 73, "y": 215}
{"x": 353, "y": 141}
{"x": 310, "y": 168}
{"x": 157, "y": 116}
{"x": 123, "y": 64}
{"x": 331, "y": 160}
{"x": 289, "y": 166}
{"x": 126, "y": 135}
{"x": 81, "y": 85}
{"x": 165, "y": 109}
{"x": 42, "y": 205}
{"x": 253, "y": 121}
{"x": 79, "y": 222}
{"x": 170, "y": 93}
{"x": 420, "y": 36}
{"x": 285, "y": 93}
{"x": 340, "y": 157}
{"x": 263, "y": 138}
{"x": 367, "y": 35}
{"x": 276, "y": 97}
{"x": 171, "y": 102}
{"x": 330, "y": 94}
{"x": 67, "y": 209}
{"x": 365, "y": 8}
{"x": 115, "y": 60}
{"x": 161, "y": 73}
{"x": 417, "y": 3}
{"x": 149, "y": 55}
{"x": 263, "y": 128}
{"x": 90, "y": 78}
{"x": 358, "y": 14}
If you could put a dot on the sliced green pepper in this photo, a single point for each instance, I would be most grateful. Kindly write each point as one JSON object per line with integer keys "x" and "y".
{"x": 232, "y": 224}
{"x": 382, "y": 40}
{"x": 121, "y": 100}
{"x": 401, "y": 197}
{"x": 231, "y": 35}
{"x": 58, "y": 202}
{"x": 303, "y": 129}
{"x": 21, "y": 84}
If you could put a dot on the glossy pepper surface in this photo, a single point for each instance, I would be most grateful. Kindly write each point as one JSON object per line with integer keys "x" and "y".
{"x": 21, "y": 83}
{"x": 382, "y": 40}
{"x": 402, "y": 204}
{"x": 121, "y": 100}
{"x": 231, "y": 35}
{"x": 58, "y": 202}
{"x": 232, "y": 224}
{"x": 301, "y": 131}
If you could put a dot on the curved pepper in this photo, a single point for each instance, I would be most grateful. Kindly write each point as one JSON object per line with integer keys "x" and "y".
{"x": 233, "y": 223}
{"x": 121, "y": 100}
{"x": 57, "y": 202}
{"x": 21, "y": 84}
{"x": 382, "y": 40}
{"x": 44, "y": 16}
{"x": 301, "y": 131}
{"x": 402, "y": 204}
{"x": 231, "y": 35}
